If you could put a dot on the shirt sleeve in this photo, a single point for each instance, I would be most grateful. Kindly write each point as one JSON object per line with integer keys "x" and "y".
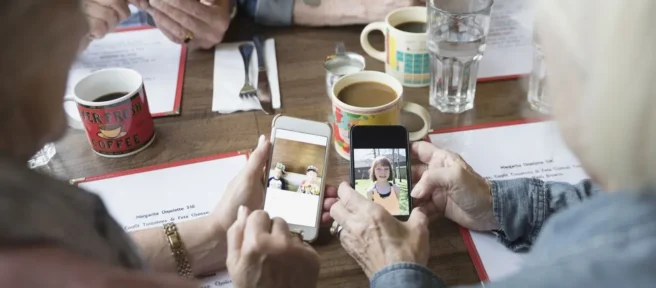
{"x": 270, "y": 12}
{"x": 521, "y": 206}
{"x": 407, "y": 275}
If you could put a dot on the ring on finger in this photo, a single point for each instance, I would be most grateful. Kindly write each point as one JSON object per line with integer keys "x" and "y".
{"x": 336, "y": 229}
{"x": 189, "y": 37}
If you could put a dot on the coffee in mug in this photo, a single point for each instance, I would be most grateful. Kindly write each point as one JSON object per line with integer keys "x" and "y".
{"x": 367, "y": 94}
{"x": 412, "y": 27}
{"x": 110, "y": 96}
{"x": 370, "y": 98}
{"x": 114, "y": 111}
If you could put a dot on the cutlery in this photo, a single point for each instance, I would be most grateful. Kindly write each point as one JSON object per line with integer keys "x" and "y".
{"x": 247, "y": 90}
{"x": 263, "y": 88}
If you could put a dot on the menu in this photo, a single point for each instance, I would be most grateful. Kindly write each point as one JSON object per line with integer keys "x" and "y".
{"x": 508, "y": 151}
{"x": 180, "y": 191}
{"x": 509, "y": 45}
{"x": 160, "y": 62}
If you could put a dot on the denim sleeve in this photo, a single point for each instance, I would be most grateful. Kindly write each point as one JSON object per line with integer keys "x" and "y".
{"x": 523, "y": 205}
{"x": 270, "y": 12}
{"x": 407, "y": 275}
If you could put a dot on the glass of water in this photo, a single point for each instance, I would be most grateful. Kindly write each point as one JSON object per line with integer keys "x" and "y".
{"x": 42, "y": 157}
{"x": 537, "y": 83}
{"x": 456, "y": 42}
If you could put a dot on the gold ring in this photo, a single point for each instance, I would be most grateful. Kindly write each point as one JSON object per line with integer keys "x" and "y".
{"x": 189, "y": 37}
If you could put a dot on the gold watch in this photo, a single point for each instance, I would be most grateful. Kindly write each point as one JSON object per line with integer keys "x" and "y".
{"x": 178, "y": 250}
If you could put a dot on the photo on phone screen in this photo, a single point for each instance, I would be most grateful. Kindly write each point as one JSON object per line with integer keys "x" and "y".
{"x": 294, "y": 182}
{"x": 381, "y": 176}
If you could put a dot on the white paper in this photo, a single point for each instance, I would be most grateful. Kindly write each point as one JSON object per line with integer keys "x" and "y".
{"x": 148, "y": 52}
{"x": 150, "y": 199}
{"x": 518, "y": 151}
{"x": 509, "y": 49}
{"x": 229, "y": 77}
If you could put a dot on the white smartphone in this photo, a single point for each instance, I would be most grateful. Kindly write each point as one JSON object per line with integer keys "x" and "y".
{"x": 296, "y": 173}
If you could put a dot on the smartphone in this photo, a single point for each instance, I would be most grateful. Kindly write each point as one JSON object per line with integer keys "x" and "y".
{"x": 380, "y": 167}
{"x": 296, "y": 173}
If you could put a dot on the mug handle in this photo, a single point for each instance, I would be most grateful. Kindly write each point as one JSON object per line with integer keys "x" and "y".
{"x": 423, "y": 114}
{"x": 73, "y": 123}
{"x": 364, "y": 40}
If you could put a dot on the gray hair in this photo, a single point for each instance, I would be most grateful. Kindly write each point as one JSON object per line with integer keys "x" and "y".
{"x": 607, "y": 47}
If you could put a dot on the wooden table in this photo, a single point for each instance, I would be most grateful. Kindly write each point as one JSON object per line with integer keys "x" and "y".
{"x": 301, "y": 51}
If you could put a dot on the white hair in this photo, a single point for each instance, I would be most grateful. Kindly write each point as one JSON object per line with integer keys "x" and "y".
{"x": 610, "y": 45}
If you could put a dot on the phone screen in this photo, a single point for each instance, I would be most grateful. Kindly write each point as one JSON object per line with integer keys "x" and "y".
{"x": 381, "y": 176}
{"x": 294, "y": 182}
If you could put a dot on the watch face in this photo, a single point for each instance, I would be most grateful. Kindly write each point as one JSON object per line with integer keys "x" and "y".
{"x": 312, "y": 2}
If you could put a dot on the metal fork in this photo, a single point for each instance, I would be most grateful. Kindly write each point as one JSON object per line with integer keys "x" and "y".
{"x": 247, "y": 91}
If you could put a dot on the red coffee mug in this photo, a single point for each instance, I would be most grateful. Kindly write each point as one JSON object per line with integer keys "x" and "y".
{"x": 114, "y": 111}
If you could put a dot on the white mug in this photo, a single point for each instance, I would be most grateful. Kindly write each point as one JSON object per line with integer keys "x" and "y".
{"x": 406, "y": 57}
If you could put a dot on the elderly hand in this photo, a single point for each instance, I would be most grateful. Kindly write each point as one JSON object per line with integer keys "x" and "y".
{"x": 104, "y": 15}
{"x": 204, "y": 22}
{"x": 262, "y": 252}
{"x": 374, "y": 238}
{"x": 450, "y": 186}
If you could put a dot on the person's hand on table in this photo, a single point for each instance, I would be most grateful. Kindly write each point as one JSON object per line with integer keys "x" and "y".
{"x": 448, "y": 185}
{"x": 202, "y": 23}
{"x": 103, "y": 16}
{"x": 374, "y": 238}
{"x": 262, "y": 252}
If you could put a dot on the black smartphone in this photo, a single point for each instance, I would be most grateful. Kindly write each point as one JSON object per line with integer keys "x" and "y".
{"x": 380, "y": 167}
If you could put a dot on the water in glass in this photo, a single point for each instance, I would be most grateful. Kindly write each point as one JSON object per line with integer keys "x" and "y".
{"x": 456, "y": 43}
{"x": 42, "y": 157}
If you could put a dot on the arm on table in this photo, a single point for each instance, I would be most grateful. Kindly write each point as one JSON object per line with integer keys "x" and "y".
{"x": 203, "y": 239}
{"x": 521, "y": 206}
{"x": 329, "y": 13}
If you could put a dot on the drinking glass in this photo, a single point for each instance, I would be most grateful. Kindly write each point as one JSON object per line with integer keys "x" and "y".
{"x": 537, "y": 83}
{"x": 456, "y": 42}
{"x": 42, "y": 157}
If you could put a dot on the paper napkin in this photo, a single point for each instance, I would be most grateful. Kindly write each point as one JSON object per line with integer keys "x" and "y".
{"x": 229, "y": 77}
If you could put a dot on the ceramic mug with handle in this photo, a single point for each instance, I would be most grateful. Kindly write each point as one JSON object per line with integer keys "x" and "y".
{"x": 347, "y": 116}
{"x": 113, "y": 110}
{"x": 406, "y": 56}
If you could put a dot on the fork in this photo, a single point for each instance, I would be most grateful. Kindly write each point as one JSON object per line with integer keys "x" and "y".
{"x": 247, "y": 91}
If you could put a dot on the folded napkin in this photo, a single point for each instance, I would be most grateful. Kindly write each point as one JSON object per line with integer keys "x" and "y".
{"x": 229, "y": 77}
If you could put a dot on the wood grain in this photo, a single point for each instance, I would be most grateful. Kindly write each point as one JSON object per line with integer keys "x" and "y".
{"x": 301, "y": 52}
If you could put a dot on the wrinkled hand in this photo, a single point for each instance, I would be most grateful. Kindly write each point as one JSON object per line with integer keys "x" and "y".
{"x": 247, "y": 189}
{"x": 450, "y": 186}
{"x": 206, "y": 20}
{"x": 103, "y": 16}
{"x": 374, "y": 238}
{"x": 264, "y": 253}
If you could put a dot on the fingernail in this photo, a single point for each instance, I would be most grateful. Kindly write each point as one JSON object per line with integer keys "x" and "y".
{"x": 260, "y": 141}
{"x": 414, "y": 193}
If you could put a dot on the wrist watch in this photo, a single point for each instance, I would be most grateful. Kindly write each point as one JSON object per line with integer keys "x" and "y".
{"x": 313, "y": 3}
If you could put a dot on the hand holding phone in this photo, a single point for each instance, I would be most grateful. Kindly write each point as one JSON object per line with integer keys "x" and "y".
{"x": 380, "y": 167}
{"x": 296, "y": 173}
